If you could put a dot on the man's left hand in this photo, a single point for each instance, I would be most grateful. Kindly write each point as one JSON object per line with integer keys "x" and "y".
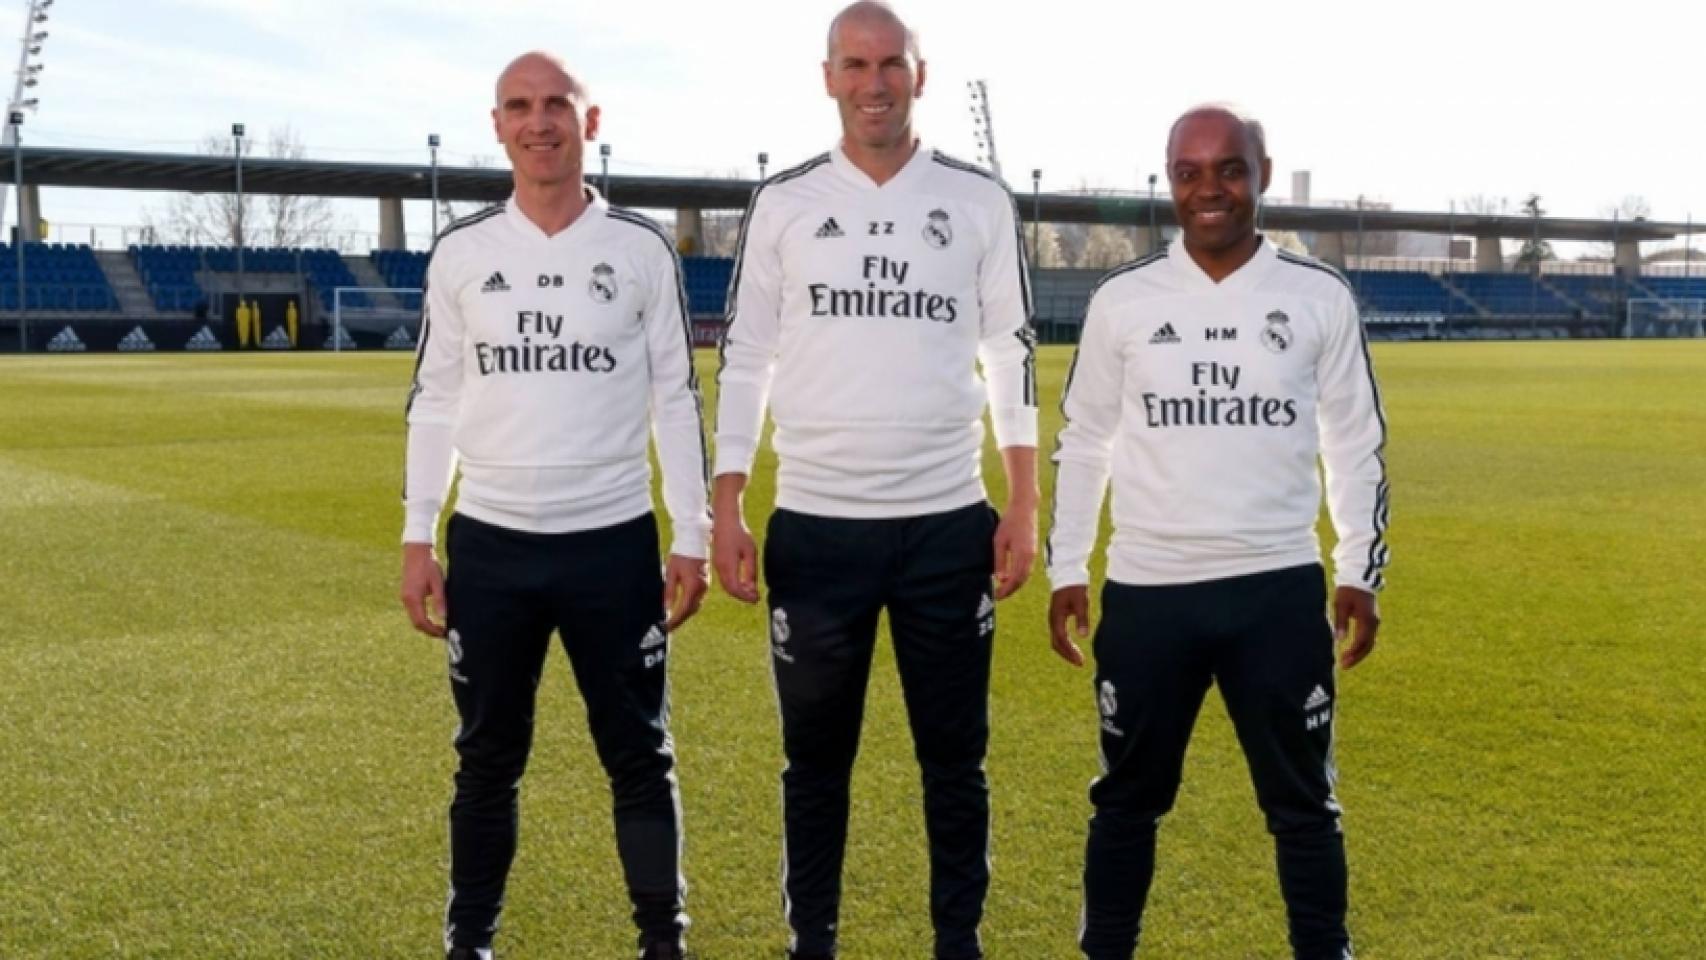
{"x": 1350, "y": 603}
{"x": 1015, "y": 548}
{"x": 685, "y": 580}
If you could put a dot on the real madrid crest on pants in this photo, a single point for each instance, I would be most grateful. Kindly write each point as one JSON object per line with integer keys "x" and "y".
{"x": 937, "y": 231}
{"x": 602, "y": 287}
{"x": 1277, "y": 335}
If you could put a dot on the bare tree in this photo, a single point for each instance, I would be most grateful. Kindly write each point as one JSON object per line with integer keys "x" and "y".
{"x": 450, "y": 211}
{"x": 269, "y": 220}
{"x": 1632, "y": 207}
{"x": 1045, "y": 253}
{"x": 1106, "y": 246}
{"x": 720, "y": 233}
{"x": 1482, "y": 204}
{"x": 1286, "y": 240}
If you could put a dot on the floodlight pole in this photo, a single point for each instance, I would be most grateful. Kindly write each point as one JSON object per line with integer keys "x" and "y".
{"x": 604, "y": 174}
{"x": 1687, "y": 248}
{"x": 17, "y": 127}
{"x": 237, "y": 139}
{"x": 432, "y": 145}
{"x": 1450, "y": 234}
{"x": 1154, "y": 235}
{"x": 35, "y": 14}
{"x": 1036, "y": 214}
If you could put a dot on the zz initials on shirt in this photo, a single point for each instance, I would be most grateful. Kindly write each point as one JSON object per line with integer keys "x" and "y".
{"x": 882, "y": 228}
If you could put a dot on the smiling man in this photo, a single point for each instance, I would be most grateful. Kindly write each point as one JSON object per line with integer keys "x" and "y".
{"x": 872, "y": 283}
{"x": 554, "y": 335}
{"x": 1209, "y": 380}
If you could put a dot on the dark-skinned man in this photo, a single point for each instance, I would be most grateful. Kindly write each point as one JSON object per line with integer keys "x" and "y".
{"x": 1210, "y": 379}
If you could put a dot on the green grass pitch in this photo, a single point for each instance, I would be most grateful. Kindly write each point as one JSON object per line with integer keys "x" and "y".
{"x": 221, "y": 739}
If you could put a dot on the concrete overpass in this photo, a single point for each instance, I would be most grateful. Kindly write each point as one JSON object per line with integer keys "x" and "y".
{"x": 390, "y": 184}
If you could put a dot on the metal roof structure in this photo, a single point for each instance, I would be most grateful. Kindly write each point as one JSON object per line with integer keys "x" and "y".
{"x": 117, "y": 170}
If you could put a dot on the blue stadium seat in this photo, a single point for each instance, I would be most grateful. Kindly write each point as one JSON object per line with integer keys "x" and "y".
{"x": 1405, "y": 292}
{"x": 1511, "y": 294}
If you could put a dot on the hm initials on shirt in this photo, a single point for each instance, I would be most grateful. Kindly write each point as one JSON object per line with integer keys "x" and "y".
{"x": 1220, "y": 333}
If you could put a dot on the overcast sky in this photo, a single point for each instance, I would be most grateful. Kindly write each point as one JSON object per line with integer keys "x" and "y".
{"x": 1413, "y": 104}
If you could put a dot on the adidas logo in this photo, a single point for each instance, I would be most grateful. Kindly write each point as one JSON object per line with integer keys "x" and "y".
{"x": 400, "y": 339}
{"x": 495, "y": 283}
{"x": 136, "y": 342}
{"x": 276, "y": 340}
{"x": 66, "y": 341}
{"x": 1165, "y": 335}
{"x": 654, "y": 638}
{"x": 339, "y": 340}
{"x": 1317, "y": 700}
{"x": 985, "y": 607}
{"x": 829, "y": 230}
{"x": 203, "y": 340}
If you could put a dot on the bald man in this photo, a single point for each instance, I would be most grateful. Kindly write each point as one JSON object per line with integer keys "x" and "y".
{"x": 1210, "y": 379}
{"x": 554, "y": 335}
{"x": 874, "y": 282}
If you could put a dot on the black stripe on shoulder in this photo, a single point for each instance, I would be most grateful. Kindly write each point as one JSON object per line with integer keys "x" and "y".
{"x": 624, "y": 215}
{"x": 791, "y": 173}
{"x": 1130, "y": 266}
{"x": 954, "y": 163}
{"x": 1299, "y": 260}
{"x": 478, "y": 216}
{"x": 803, "y": 167}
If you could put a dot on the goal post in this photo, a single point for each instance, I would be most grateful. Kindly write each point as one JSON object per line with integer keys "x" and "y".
{"x": 381, "y": 311}
{"x": 1664, "y": 317}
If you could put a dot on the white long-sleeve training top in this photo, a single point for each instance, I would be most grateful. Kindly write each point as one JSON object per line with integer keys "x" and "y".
{"x": 859, "y": 314}
{"x": 1208, "y": 405}
{"x": 542, "y": 361}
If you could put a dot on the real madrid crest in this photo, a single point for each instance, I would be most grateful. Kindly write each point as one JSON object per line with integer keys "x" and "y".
{"x": 602, "y": 287}
{"x": 1277, "y": 335}
{"x": 937, "y": 231}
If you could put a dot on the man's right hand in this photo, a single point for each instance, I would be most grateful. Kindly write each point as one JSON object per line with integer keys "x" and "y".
{"x": 733, "y": 552}
{"x": 1069, "y": 603}
{"x": 423, "y": 589}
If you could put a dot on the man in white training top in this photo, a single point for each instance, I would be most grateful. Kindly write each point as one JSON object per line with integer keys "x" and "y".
{"x": 1209, "y": 379}
{"x": 871, "y": 283}
{"x": 554, "y": 334}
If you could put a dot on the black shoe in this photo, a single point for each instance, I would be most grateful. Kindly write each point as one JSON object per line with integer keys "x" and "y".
{"x": 663, "y": 950}
{"x": 468, "y": 953}
{"x": 794, "y": 955}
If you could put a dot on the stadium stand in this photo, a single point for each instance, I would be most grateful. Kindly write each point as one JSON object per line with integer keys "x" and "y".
{"x": 68, "y": 277}
{"x": 57, "y": 277}
{"x": 1406, "y": 292}
{"x": 1675, "y": 288}
{"x": 707, "y": 280}
{"x": 169, "y": 275}
{"x": 326, "y": 271}
{"x": 169, "y": 272}
{"x": 402, "y": 268}
{"x": 1510, "y": 294}
{"x": 1594, "y": 295}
